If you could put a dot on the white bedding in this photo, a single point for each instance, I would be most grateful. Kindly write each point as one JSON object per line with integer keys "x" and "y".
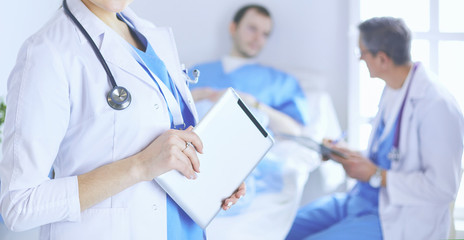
{"x": 269, "y": 213}
{"x": 277, "y": 186}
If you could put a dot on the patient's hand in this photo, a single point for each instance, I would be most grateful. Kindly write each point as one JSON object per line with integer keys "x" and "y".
{"x": 249, "y": 99}
{"x": 213, "y": 95}
{"x": 240, "y": 192}
{"x": 206, "y": 93}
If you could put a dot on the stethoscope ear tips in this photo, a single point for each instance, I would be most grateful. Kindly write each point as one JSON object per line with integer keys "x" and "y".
{"x": 196, "y": 76}
{"x": 119, "y": 98}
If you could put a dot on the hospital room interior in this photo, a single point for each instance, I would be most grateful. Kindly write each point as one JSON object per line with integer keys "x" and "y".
{"x": 316, "y": 42}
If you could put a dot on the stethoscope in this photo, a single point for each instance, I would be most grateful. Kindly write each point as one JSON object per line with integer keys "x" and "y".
{"x": 394, "y": 154}
{"x": 118, "y": 97}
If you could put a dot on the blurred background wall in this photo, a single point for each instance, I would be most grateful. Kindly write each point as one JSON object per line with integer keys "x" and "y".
{"x": 310, "y": 38}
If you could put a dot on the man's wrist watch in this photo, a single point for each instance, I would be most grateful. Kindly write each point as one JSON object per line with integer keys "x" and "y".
{"x": 376, "y": 179}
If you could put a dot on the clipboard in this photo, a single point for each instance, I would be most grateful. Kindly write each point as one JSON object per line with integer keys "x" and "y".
{"x": 312, "y": 144}
{"x": 233, "y": 144}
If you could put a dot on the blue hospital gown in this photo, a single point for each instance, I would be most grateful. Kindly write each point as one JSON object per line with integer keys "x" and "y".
{"x": 272, "y": 87}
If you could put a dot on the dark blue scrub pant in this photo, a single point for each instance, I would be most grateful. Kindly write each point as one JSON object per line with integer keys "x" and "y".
{"x": 340, "y": 216}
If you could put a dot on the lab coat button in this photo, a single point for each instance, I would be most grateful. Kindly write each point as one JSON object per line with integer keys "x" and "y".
{"x": 156, "y": 106}
{"x": 155, "y": 207}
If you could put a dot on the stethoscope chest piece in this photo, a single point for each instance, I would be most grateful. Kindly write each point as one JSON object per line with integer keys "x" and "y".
{"x": 394, "y": 154}
{"x": 119, "y": 98}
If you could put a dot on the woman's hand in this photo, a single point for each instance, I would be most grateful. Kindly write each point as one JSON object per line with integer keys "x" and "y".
{"x": 174, "y": 149}
{"x": 240, "y": 192}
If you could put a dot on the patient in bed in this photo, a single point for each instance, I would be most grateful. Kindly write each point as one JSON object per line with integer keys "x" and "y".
{"x": 278, "y": 102}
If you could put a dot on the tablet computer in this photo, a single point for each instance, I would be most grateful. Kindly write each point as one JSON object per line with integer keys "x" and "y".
{"x": 233, "y": 144}
{"x": 310, "y": 143}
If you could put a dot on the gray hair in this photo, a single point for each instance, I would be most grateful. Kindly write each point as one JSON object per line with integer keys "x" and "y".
{"x": 389, "y": 35}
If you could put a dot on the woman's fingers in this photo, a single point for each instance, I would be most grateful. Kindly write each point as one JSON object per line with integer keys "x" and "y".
{"x": 178, "y": 150}
{"x": 184, "y": 165}
{"x": 189, "y": 136}
{"x": 239, "y": 193}
{"x": 192, "y": 157}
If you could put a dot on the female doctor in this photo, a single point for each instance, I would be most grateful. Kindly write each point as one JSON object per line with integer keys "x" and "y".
{"x": 107, "y": 125}
{"x": 412, "y": 171}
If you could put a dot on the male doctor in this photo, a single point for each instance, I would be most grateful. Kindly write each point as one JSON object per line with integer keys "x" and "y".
{"x": 411, "y": 173}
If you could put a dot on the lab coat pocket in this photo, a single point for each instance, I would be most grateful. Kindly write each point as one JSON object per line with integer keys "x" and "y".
{"x": 96, "y": 223}
{"x": 430, "y": 219}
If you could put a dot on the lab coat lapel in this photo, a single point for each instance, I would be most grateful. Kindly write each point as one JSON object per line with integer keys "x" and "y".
{"x": 91, "y": 23}
{"x": 416, "y": 93}
{"x": 162, "y": 41}
{"x": 111, "y": 44}
{"x": 118, "y": 55}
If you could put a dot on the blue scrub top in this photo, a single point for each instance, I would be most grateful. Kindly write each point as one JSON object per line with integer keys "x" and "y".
{"x": 180, "y": 225}
{"x": 268, "y": 85}
{"x": 380, "y": 158}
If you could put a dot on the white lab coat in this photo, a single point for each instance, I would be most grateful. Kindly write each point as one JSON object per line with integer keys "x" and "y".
{"x": 422, "y": 184}
{"x": 58, "y": 117}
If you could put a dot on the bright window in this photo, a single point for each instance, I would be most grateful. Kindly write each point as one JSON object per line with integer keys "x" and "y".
{"x": 416, "y": 21}
{"x": 450, "y": 16}
{"x": 451, "y": 62}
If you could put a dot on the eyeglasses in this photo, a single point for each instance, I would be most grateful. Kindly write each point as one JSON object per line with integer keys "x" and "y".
{"x": 359, "y": 54}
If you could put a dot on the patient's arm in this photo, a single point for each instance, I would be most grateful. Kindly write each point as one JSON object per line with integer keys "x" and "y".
{"x": 203, "y": 93}
{"x": 279, "y": 122}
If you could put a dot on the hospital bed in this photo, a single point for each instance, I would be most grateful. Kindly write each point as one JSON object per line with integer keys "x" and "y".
{"x": 268, "y": 213}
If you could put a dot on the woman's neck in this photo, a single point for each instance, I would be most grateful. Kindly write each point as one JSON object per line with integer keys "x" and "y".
{"x": 111, "y": 20}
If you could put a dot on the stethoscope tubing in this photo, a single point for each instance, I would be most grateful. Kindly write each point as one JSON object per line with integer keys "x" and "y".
{"x": 118, "y": 97}
{"x": 92, "y": 44}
